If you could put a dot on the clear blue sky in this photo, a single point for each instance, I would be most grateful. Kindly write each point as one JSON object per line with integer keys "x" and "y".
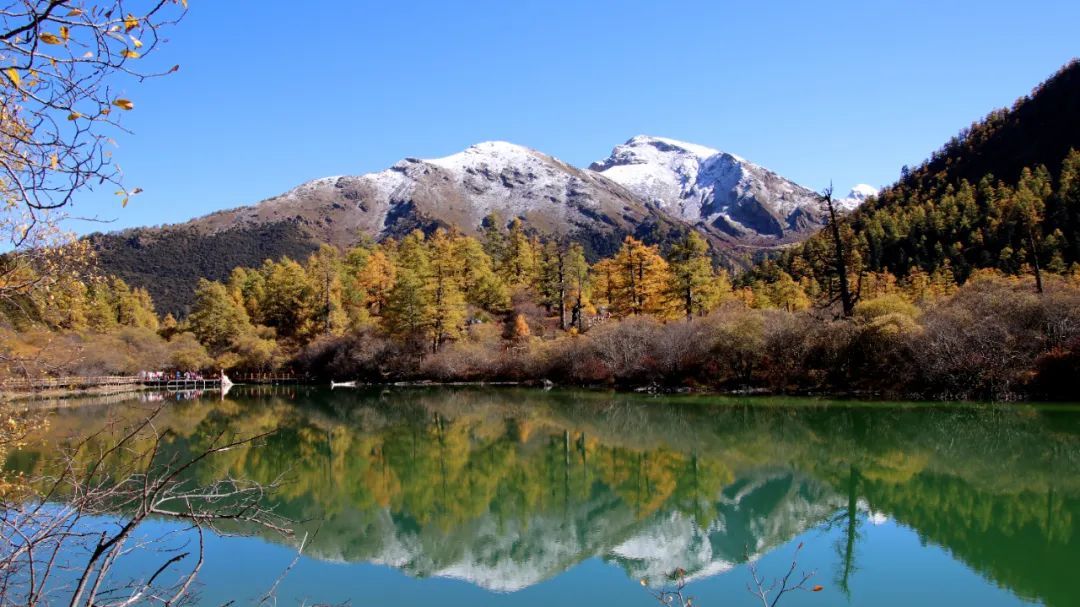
{"x": 271, "y": 94}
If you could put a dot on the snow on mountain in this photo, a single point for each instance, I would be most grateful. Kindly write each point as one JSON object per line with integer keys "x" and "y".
{"x": 650, "y": 187}
{"x": 856, "y": 197}
{"x": 702, "y": 185}
{"x": 459, "y": 190}
{"x": 645, "y": 181}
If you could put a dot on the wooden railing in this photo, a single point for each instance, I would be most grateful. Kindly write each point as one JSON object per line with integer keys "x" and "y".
{"x": 264, "y": 378}
{"x": 59, "y": 383}
{"x": 169, "y": 382}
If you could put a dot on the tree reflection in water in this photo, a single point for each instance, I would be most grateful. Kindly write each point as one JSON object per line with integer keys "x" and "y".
{"x": 507, "y": 488}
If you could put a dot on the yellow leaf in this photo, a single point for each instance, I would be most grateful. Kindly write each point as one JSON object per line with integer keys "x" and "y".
{"x": 130, "y": 54}
{"x": 124, "y": 104}
{"x": 75, "y": 12}
{"x": 48, "y": 38}
{"x": 64, "y": 33}
{"x": 54, "y": 161}
{"x": 130, "y": 22}
{"x": 136, "y": 41}
{"x": 13, "y": 75}
{"x": 123, "y": 203}
{"x": 74, "y": 116}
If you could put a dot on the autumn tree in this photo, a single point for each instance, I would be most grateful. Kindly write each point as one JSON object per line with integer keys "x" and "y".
{"x": 290, "y": 301}
{"x": 216, "y": 318}
{"x": 447, "y": 271}
{"x": 324, "y": 274}
{"x": 1067, "y": 201}
{"x": 133, "y": 307}
{"x": 519, "y": 263}
{"x": 100, "y": 314}
{"x": 64, "y": 305}
{"x": 554, "y": 279}
{"x": 787, "y": 294}
{"x": 605, "y": 281}
{"x": 578, "y": 285}
{"x": 1029, "y": 207}
{"x": 692, "y": 282}
{"x": 376, "y": 279}
{"x": 248, "y": 288}
{"x": 640, "y": 280}
{"x": 493, "y": 239}
{"x": 482, "y": 286}
{"x": 410, "y": 307}
{"x": 521, "y": 332}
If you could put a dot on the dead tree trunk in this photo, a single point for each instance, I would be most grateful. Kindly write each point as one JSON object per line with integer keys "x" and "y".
{"x": 847, "y": 301}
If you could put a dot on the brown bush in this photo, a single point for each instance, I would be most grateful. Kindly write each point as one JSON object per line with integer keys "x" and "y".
{"x": 982, "y": 341}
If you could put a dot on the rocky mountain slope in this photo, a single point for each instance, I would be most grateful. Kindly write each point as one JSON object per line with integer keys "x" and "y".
{"x": 713, "y": 189}
{"x": 549, "y": 195}
{"x": 653, "y": 188}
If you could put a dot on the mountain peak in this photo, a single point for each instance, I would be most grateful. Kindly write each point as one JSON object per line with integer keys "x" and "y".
{"x": 492, "y": 155}
{"x": 858, "y": 195}
{"x": 702, "y": 185}
{"x": 863, "y": 191}
{"x": 665, "y": 144}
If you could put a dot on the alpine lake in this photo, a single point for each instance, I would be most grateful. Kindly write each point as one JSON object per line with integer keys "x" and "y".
{"x": 522, "y": 497}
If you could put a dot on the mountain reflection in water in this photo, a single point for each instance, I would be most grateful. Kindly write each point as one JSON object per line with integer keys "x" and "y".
{"x": 507, "y": 488}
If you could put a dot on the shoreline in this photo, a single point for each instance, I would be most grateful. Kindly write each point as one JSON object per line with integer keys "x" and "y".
{"x": 10, "y": 397}
{"x": 63, "y": 393}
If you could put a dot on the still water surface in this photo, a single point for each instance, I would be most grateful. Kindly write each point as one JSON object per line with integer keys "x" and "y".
{"x": 521, "y": 497}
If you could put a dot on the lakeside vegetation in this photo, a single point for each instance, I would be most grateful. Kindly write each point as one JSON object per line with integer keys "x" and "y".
{"x": 510, "y": 306}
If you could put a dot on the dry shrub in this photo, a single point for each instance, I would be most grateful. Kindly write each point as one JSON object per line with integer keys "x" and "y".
{"x": 983, "y": 341}
{"x": 364, "y": 355}
{"x": 573, "y": 359}
{"x": 464, "y": 361}
{"x": 626, "y": 348}
{"x": 738, "y": 344}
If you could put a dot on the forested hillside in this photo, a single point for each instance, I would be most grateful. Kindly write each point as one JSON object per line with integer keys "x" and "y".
{"x": 1002, "y": 194}
{"x": 167, "y": 262}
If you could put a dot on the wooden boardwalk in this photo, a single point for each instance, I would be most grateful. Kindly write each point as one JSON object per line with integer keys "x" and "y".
{"x": 107, "y": 381}
{"x": 265, "y": 378}
{"x": 183, "y": 384}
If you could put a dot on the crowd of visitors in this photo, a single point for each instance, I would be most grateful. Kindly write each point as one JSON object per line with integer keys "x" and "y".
{"x": 170, "y": 376}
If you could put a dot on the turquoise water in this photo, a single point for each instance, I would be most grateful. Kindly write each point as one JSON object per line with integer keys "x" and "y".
{"x": 522, "y": 497}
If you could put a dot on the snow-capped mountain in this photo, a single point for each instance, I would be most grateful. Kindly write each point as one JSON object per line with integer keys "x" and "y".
{"x": 652, "y": 188}
{"x": 460, "y": 190}
{"x": 701, "y": 185}
{"x": 646, "y": 182}
{"x": 858, "y": 195}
